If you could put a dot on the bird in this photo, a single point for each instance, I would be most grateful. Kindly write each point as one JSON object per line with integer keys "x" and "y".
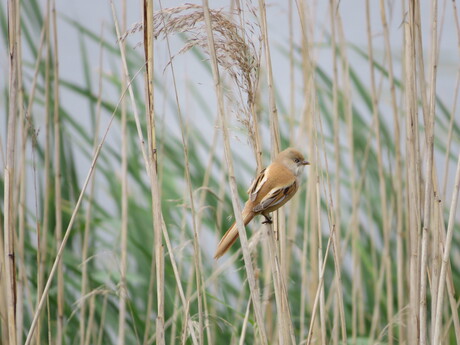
{"x": 272, "y": 188}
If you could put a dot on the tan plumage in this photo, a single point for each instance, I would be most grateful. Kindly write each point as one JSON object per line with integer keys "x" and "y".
{"x": 272, "y": 188}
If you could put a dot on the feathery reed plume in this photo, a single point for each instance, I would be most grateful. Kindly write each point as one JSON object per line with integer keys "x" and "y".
{"x": 235, "y": 50}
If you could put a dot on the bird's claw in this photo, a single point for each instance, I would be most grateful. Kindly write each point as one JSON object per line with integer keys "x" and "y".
{"x": 267, "y": 220}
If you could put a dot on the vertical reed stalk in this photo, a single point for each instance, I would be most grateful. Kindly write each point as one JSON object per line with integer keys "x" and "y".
{"x": 445, "y": 258}
{"x": 413, "y": 203}
{"x": 274, "y": 125}
{"x": 152, "y": 167}
{"x": 9, "y": 171}
{"x": 123, "y": 286}
{"x": 22, "y": 281}
{"x": 310, "y": 278}
{"x": 454, "y": 105}
{"x": 335, "y": 113}
{"x": 85, "y": 241}
{"x": 286, "y": 331}
{"x": 57, "y": 180}
{"x": 398, "y": 173}
{"x": 234, "y": 193}
{"x": 322, "y": 307}
{"x": 196, "y": 248}
{"x": 42, "y": 238}
{"x": 429, "y": 132}
{"x": 383, "y": 197}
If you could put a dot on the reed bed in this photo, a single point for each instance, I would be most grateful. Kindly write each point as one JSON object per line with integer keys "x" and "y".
{"x": 111, "y": 210}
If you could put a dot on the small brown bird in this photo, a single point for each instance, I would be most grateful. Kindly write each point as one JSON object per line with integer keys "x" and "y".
{"x": 273, "y": 187}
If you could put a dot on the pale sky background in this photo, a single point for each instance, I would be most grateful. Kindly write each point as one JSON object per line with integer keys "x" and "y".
{"x": 92, "y": 14}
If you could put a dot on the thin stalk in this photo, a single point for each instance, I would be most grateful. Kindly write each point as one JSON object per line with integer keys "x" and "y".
{"x": 445, "y": 257}
{"x": 382, "y": 184}
{"x": 412, "y": 180}
{"x": 454, "y": 105}
{"x": 335, "y": 112}
{"x": 153, "y": 161}
{"x": 9, "y": 172}
{"x": 449, "y": 135}
{"x": 234, "y": 193}
{"x": 318, "y": 291}
{"x": 85, "y": 242}
{"x": 196, "y": 246}
{"x": 398, "y": 175}
{"x": 22, "y": 281}
{"x": 245, "y": 322}
{"x": 429, "y": 131}
{"x": 322, "y": 307}
{"x": 332, "y": 224}
{"x": 357, "y": 302}
{"x": 91, "y": 319}
{"x": 274, "y": 125}
{"x": 123, "y": 286}
{"x": 310, "y": 278}
{"x": 42, "y": 239}
{"x": 279, "y": 278}
{"x": 57, "y": 181}
{"x": 286, "y": 333}
{"x": 102, "y": 320}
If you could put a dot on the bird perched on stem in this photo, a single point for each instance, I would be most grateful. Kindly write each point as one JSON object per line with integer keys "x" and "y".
{"x": 272, "y": 188}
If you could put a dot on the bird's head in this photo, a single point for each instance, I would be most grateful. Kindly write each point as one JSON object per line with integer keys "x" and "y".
{"x": 293, "y": 160}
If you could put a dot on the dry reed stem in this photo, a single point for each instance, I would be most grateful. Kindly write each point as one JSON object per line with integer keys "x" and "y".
{"x": 286, "y": 331}
{"x": 310, "y": 219}
{"x": 357, "y": 303}
{"x": 185, "y": 302}
{"x": 28, "y": 113}
{"x": 57, "y": 179}
{"x": 445, "y": 258}
{"x": 274, "y": 125}
{"x": 382, "y": 184}
{"x": 21, "y": 186}
{"x": 335, "y": 241}
{"x": 152, "y": 168}
{"x": 130, "y": 91}
{"x": 449, "y": 135}
{"x": 9, "y": 171}
{"x": 122, "y": 285}
{"x": 245, "y": 323}
{"x": 280, "y": 278}
{"x": 85, "y": 241}
{"x": 454, "y": 105}
{"x": 429, "y": 133}
{"x": 318, "y": 291}
{"x": 234, "y": 192}
{"x": 42, "y": 239}
{"x": 398, "y": 167}
{"x": 322, "y": 307}
{"x": 412, "y": 180}
{"x": 335, "y": 116}
{"x": 196, "y": 247}
{"x": 426, "y": 110}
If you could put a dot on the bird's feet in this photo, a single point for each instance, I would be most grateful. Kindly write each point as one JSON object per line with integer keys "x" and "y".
{"x": 268, "y": 220}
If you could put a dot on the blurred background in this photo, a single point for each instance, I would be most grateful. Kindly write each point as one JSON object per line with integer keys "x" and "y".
{"x": 345, "y": 87}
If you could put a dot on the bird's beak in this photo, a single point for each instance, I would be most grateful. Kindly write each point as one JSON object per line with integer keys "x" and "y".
{"x": 305, "y": 163}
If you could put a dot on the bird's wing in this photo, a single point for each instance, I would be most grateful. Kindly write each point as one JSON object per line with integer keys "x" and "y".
{"x": 257, "y": 184}
{"x": 276, "y": 196}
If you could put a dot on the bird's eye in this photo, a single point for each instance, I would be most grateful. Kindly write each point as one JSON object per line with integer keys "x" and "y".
{"x": 297, "y": 160}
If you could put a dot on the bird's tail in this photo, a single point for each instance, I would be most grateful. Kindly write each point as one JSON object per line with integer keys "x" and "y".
{"x": 231, "y": 235}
